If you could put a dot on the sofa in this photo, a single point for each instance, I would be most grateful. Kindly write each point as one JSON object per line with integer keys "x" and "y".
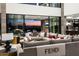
{"x": 36, "y": 41}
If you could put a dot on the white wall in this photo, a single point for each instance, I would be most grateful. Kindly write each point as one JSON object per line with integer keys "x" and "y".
{"x": 32, "y": 10}
{"x": 0, "y": 7}
{"x": 71, "y": 8}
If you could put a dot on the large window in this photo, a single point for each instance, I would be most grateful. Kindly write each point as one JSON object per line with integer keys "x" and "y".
{"x": 55, "y": 5}
{"x": 50, "y": 4}
{"x": 14, "y": 22}
{"x": 24, "y": 22}
{"x": 55, "y": 24}
{"x": 58, "y": 5}
{"x": 30, "y": 23}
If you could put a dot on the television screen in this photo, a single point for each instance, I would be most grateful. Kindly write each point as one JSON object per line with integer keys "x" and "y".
{"x": 32, "y": 23}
